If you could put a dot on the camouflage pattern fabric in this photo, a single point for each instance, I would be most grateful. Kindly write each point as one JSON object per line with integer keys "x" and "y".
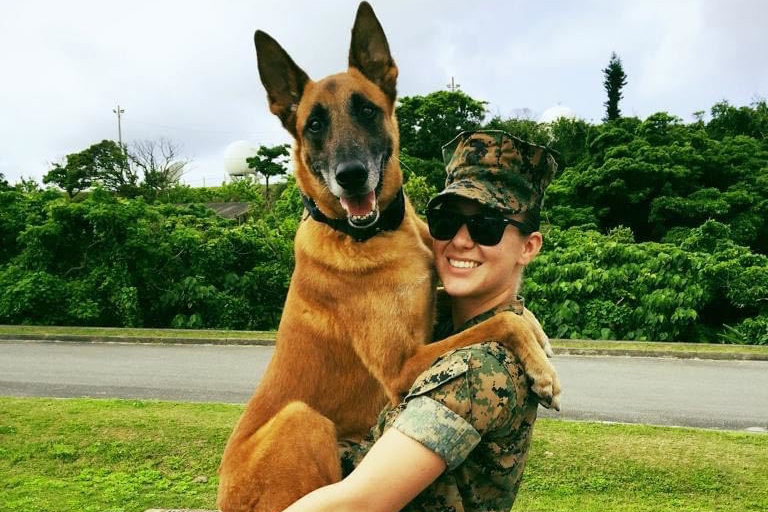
{"x": 474, "y": 409}
{"x": 497, "y": 170}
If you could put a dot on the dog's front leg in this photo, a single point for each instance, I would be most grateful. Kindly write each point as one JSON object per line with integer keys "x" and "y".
{"x": 515, "y": 332}
{"x": 541, "y": 336}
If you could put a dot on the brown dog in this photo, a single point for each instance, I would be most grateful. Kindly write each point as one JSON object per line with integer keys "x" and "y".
{"x": 360, "y": 307}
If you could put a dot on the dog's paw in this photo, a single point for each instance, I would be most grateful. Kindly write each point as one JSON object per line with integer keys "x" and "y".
{"x": 546, "y": 345}
{"x": 545, "y": 384}
{"x": 533, "y": 350}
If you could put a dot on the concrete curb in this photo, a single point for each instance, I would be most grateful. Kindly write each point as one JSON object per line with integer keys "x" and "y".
{"x": 574, "y": 351}
{"x": 717, "y": 356}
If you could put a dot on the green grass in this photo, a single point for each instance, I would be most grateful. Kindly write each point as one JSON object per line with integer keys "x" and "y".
{"x": 594, "y": 467}
{"x": 130, "y": 332}
{"x": 109, "y": 455}
{"x": 148, "y": 335}
{"x": 83, "y": 455}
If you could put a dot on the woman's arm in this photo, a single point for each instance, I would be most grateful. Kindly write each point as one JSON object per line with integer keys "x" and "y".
{"x": 395, "y": 470}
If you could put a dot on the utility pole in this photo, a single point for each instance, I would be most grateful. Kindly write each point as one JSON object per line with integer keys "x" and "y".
{"x": 453, "y": 86}
{"x": 119, "y": 111}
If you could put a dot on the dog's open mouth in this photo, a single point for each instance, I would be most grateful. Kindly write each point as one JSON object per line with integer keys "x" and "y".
{"x": 362, "y": 211}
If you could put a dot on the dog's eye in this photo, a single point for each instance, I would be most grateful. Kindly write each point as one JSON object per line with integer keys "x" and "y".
{"x": 315, "y": 126}
{"x": 367, "y": 112}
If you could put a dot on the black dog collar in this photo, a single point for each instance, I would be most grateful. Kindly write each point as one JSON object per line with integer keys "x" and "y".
{"x": 389, "y": 220}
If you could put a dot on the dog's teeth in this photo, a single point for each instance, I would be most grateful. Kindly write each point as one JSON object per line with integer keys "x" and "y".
{"x": 363, "y": 221}
{"x": 363, "y": 217}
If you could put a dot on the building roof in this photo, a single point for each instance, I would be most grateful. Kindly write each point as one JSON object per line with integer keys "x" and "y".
{"x": 229, "y": 210}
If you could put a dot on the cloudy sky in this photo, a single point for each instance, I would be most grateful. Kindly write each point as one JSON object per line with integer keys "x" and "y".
{"x": 186, "y": 70}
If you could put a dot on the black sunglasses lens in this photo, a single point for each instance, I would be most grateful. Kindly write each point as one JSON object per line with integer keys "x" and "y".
{"x": 443, "y": 225}
{"x": 486, "y": 230}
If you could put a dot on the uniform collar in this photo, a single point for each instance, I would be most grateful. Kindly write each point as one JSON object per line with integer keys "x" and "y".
{"x": 516, "y": 305}
{"x": 444, "y": 324}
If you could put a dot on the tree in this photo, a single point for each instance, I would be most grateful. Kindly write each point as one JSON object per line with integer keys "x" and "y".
{"x": 269, "y": 161}
{"x": 526, "y": 129}
{"x": 74, "y": 176}
{"x": 160, "y": 163}
{"x": 728, "y": 120}
{"x": 569, "y": 138}
{"x": 428, "y": 122}
{"x": 662, "y": 178}
{"x": 112, "y": 168}
{"x": 615, "y": 79}
{"x": 27, "y": 185}
{"x": 3, "y": 184}
{"x": 104, "y": 162}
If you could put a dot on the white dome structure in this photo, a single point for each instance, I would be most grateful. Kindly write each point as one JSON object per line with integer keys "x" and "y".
{"x": 235, "y": 155}
{"x": 554, "y": 113}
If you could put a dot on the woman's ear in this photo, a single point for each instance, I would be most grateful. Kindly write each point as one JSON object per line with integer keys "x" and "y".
{"x": 531, "y": 248}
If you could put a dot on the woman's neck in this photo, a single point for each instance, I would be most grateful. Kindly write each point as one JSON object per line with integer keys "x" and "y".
{"x": 466, "y": 308}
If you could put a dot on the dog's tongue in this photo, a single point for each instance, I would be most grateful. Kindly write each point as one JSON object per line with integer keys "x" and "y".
{"x": 359, "y": 205}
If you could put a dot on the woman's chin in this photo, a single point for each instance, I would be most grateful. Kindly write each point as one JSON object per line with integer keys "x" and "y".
{"x": 459, "y": 287}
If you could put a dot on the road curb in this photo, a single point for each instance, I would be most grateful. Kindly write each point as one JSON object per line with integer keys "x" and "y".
{"x": 572, "y": 351}
{"x": 717, "y": 356}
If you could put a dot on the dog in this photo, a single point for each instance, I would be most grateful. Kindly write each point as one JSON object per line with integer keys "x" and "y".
{"x": 360, "y": 307}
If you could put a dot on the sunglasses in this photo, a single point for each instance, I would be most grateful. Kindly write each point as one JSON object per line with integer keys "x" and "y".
{"x": 484, "y": 229}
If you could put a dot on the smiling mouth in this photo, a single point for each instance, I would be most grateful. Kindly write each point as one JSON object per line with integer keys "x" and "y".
{"x": 362, "y": 211}
{"x": 463, "y": 263}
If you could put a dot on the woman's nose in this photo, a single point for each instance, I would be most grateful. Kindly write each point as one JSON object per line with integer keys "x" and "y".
{"x": 462, "y": 238}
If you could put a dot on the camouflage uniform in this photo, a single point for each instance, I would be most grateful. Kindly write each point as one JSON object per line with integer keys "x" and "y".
{"x": 472, "y": 407}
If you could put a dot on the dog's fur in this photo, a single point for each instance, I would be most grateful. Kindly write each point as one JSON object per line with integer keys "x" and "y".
{"x": 358, "y": 314}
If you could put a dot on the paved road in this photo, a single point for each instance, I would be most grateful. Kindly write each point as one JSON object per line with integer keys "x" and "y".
{"x": 710, "y": 394}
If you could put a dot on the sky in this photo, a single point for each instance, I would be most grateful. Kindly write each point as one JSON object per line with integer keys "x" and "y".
{"x": 186, "y": 70}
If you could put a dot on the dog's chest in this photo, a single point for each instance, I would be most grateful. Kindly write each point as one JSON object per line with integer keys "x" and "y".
{"x": 389, "y": 272}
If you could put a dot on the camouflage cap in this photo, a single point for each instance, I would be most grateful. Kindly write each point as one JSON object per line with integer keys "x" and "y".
{"x": 497, "y": 170}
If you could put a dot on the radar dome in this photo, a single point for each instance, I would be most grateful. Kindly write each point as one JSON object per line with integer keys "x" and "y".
{"x": 235, "y": 155}
{"x": 556, "y": 112}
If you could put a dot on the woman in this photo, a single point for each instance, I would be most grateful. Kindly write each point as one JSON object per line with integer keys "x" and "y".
{"x": 459, "y": 440}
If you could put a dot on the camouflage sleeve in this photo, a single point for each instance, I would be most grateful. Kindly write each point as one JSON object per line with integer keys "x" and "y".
{"x": 438, "y": 428}
{"x": 462, "y": 397}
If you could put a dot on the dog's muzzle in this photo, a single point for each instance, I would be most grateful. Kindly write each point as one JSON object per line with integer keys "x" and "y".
{"x": 357, "y": 198}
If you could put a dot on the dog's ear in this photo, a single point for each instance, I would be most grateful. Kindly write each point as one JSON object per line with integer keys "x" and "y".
{"x": 282, "y": 78}
{"x": 369, "y": 51}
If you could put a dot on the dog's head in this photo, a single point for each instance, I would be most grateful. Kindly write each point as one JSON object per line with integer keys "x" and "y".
{"x": 344, "y": 127}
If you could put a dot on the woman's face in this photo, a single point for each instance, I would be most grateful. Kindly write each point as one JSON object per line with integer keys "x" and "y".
{"x": 483, "y": 272}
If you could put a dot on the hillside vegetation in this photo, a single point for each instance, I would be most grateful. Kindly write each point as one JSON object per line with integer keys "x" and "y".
{"x": 654, "y": 230}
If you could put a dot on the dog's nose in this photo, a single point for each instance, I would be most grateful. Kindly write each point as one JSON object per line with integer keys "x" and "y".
{"x": 351, "y": 175}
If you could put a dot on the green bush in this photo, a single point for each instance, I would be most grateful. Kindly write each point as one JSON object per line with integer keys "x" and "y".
{"x": 588, "y": 285}
{"x": 118, "y": 262}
